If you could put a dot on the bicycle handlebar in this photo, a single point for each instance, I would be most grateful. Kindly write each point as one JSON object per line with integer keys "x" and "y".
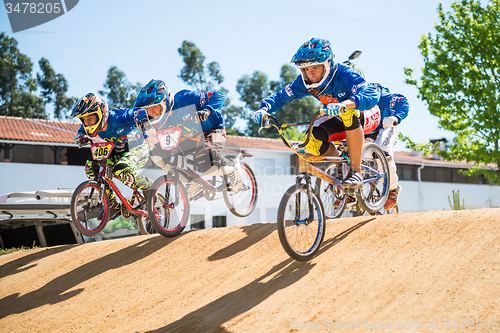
{"x": 266, "y": 123}
{"x": 87, "y": 141}
{"x": 275, "y": 123}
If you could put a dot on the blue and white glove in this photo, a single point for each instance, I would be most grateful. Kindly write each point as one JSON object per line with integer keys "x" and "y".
{"x": 202, "y": 115}
{"x": 142, "y": 120}
{"x": 258, "y": 116}
{"x": 390, "y": 121}
{"x": 335, "y": 109}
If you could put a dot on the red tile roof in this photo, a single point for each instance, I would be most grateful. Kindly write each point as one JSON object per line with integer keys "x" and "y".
{"x": 39, "y": 130}
{"x": 256, "y": 143}
{"x": 406, "y": 157}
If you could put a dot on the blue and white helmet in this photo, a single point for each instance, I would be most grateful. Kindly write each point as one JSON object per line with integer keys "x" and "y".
{"x": 154, "y": 93}
{"x": 313, "y": 53}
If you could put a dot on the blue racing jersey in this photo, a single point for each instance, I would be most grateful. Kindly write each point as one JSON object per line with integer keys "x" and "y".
{"x": 189, "y": 101}
{"x": 121, "y": 128}
{"x": 346, "y": 84}
{"x": 391, "y": 105}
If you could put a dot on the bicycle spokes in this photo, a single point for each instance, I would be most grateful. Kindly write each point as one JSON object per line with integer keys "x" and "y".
{"x": 300, "y": 235}
{"x": 89, "y": 208}
{"x": 375, "y": 172}
{"x": 242, "y": 202}
{"x": 169, "y": 211}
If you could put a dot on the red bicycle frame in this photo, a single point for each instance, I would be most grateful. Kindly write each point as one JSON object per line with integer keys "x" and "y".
{"x": 100, "y": 152}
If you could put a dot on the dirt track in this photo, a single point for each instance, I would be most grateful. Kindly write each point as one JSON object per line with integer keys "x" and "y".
{"x": 412, "y": 269}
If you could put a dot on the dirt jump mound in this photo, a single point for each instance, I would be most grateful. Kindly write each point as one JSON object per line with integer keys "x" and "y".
{"x": 430, "y": 271}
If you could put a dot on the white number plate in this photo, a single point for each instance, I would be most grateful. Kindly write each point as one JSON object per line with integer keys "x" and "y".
{"x": 169, "y": 138}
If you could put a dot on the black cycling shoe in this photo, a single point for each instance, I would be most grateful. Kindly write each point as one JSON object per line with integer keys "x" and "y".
{"x": 114, "y": 210}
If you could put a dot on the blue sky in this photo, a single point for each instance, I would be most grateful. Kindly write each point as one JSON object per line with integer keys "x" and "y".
{"x": 141, "y": 38}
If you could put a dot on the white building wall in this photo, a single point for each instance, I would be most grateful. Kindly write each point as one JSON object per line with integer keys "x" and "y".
{"x": 272, "y": 170}
{"x": 427, "y": 196}
{"x": 494, "y": 196}
{"x": 24, "y": 177}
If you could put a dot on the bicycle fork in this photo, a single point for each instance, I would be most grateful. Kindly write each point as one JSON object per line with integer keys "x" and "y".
{"x": 104, "y": 173}
{"x": 175, "y": 202}
{"x": 310, "y": 205}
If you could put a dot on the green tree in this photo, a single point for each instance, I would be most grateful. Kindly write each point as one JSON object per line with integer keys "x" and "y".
{"x": 460, "y": 81}
{"x": 253, "y": 89}
{"x": 209, "y": 78}
{"x": 231, "y": 114}
{"x": 54, "y": 87}
{"x": 194, "y": 72}
{"x": 299, "y": 109}
{"x": 120, "y": 92}
{"x": 17, "y": 85}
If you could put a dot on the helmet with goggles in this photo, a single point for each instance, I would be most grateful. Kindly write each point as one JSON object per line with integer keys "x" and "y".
{"x": 316, "y": 52}
{"x": 152, "y": 94}
{"x": 91, "y": 104}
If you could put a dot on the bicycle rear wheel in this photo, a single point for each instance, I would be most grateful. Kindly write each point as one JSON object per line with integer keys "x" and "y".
{"x": 300, "y": 236}
{"x": 332, "y": 197}
{"x": 375, "y": 170}
{"x": 168, "y": 206}
{"x": 242, "y": 203}
{"x": 89, "y": 208}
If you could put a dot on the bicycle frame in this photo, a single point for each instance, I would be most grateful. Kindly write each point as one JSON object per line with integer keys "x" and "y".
{"x": 306, "y": 163}
{"x": 192, "y": 176}
{"x": 180, "y": 164}
{"x": 105, "y": 175}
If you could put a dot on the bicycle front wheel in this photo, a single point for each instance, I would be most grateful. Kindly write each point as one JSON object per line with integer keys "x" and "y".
{"x": 242, "y": 202}
{"x": 89, "y": 208}
{"x": 301, "y": 236}
{"x": 168, "y": 206}
{"x": 332, "y": 196}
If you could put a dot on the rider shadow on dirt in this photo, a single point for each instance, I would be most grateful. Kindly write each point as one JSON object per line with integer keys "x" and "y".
{"x": 212, "y": 316}
{"x": 343, "y": 235}
{"x": 20, "y": 265}
{"x": 254, "y": 234}
{"x": 55, "y": 291}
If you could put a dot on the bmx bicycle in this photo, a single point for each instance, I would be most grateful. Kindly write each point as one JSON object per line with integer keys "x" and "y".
{"x": 335, "y": 204}
{"x": 90, "y": 202}
{"x": 168, "y": 201}
{"x": 301, "y": 214}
